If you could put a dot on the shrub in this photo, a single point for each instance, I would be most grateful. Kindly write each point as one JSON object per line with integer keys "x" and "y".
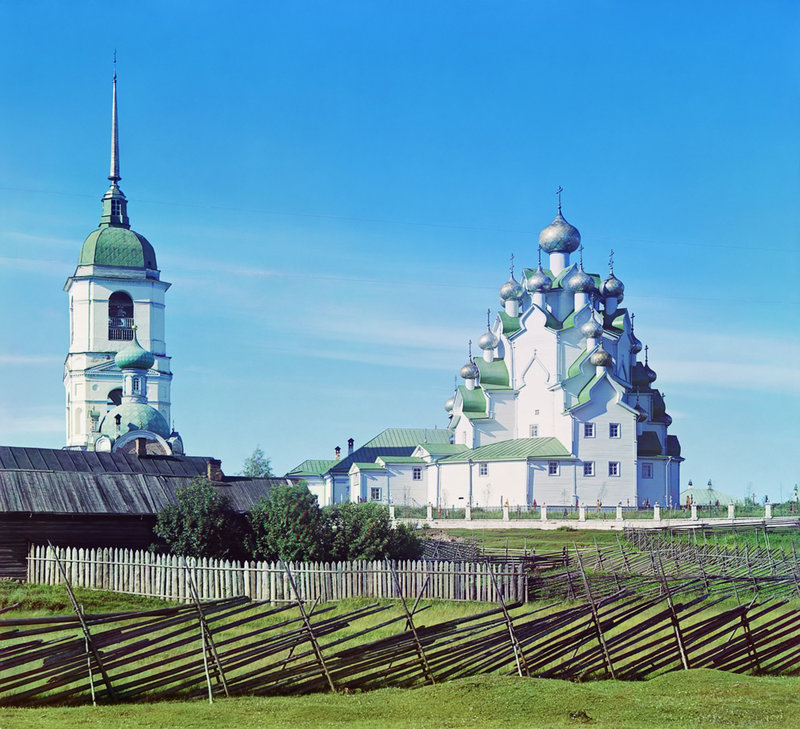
{"x": 364, "y": 531}
{"x": 200, "y": 523}
{"x": 287, "y": 524}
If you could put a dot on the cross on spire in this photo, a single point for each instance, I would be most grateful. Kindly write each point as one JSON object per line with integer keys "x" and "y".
{"x": 645, "y": 353}
{"x": 558, "y": 192}
{"x": 580, "y": 252}
{"x": 611, "y": 261}
{"x": 512, "y": 265}
{"x": 539, "y": 250}
{"x": 469, "y": 350}
{"x": 488, "y": 319}
{"x": 633, "y": 317}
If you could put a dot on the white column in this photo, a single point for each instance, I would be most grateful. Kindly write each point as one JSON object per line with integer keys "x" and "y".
{"x": 468, "y": 514}
{"x": 656, "y": 512}
{"x": 430, "y": 512}
{"x": 505, "y": 511}
{"x": 512, "y": 307}
{"x": 538, "y": 299}
{"x": 488, "y": 355}
{"x": 619, "y": 512}
{"x": 694, "y": 512}
{"x": 543, "y": 514}
{"x": 558, "y": 262}
{"x": 391, "y": 512}
{"x": 768, "y": 511}
{"x": 582, "y": 512}
{"x": 731, "y": 508}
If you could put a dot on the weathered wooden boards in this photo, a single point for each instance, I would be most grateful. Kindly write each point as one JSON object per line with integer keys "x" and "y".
{"x": 164, "y": 576}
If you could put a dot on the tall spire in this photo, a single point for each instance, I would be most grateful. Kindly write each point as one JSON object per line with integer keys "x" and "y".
{"x": 115, "y": 206}
{"x": 114, "y": 174}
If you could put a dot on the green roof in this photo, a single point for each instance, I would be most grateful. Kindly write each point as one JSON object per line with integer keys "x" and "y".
{"x": 399, "y": 459}
{"x": 707, "y": 497}
{"x": 401, "y": 437}
{"x": 474, "y": 403}
{"x": 513, "y": 449}
{"x": 134, "y": 416}
{"x": 494, "y": 374}
{"x": 443, "y": 449}
{"x": 616, "y": 320}
{"x": 116, "y": 246}
{"x": 312, "y": 467}
{"x": 511, "y": 324}
{"x": 367, "y": 467}
{"x": 585, "y": 394}
{"x": 575, "y": 368}
{"x": 648, "y": 444}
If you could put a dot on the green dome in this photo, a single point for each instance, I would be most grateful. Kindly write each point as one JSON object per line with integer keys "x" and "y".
{"x": 116, "y": 246}
{"x": 134, "y": 416}
{"x": 134, "y": 356}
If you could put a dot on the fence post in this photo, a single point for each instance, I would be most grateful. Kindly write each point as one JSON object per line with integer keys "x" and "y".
{"x": 768, "y": 511}
{"x": 543, "y": 513}
{"x": 468, "y": 512}
{"x": 582, "y": 512}
{"x": 656, "y": 512}
{"x": 505, "y": 511}
{"x": 429, "y": 514}
{"x": 619, "y": 512}
{"x": 694, "y": 512}
{"x": 391, "y": 513}
{"x": 596, "y": 618}
{"x": 731, "y": 511}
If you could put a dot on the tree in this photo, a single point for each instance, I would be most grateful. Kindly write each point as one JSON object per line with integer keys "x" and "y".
{"x": 364, "y": 531}
{"x": 257, "y": 465}
{"x": 200, "y": 522}
{"x": 288, "y": 524}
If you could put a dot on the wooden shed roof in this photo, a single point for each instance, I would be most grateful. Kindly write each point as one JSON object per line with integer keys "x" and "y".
{"x": 51, "y": 481}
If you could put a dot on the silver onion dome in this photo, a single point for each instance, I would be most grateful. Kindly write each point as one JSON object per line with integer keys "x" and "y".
{"x": 636, "y": 345}
{"x": 592, "y": 328}
{"x": 488, "y": 340}
{"x": 613, "y": 287}
{"x": 470, "y": 371}
{"x": 538, "y": 281}
{"x": 650, "y": 373}
{"x": 600, "y": 358}
{"x": 511, "y": 290}
{"x": 559, "y": 236}
{"x": 667, "y": 419}
{"x": 641, "y": 413}
{"x": 579, "y": 281}
{"x": 450, "y": 404}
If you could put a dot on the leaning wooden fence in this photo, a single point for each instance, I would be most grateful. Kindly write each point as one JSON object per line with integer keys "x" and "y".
{"x": 168, "y": 577}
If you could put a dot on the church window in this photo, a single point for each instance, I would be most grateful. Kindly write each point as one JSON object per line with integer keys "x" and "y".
{"x": 613, "y": 468}
{"x": 483, "y": 469}
{"x": 588, "y": 468}
{"x": 416, "y": 473}
{"x": 375, "y": 493}
{"x": 534, "y": 431}
{"x": 647, "y": 470}
{"x": 552, "y": 468}
{"x": 136, "y": 382}
{"x": 588, "y": 430}
{"x": 120, "y": 317}
{"x": 614, "y": 430}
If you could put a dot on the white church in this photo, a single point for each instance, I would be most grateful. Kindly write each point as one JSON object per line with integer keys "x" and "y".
{"x": 117, "y": 373}
{"x": 556, "y": 410}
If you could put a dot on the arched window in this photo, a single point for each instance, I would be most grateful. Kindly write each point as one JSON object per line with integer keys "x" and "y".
{"x": 120, "y": 316}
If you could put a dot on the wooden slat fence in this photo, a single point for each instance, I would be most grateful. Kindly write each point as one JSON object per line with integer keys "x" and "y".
{"x": 168, "y": 577}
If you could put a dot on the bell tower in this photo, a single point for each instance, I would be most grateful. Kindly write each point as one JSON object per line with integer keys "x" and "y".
{"x": 115, "y": 289}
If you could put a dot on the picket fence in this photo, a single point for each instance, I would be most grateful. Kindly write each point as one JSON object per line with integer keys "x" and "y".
{"x": 169, "y": 577}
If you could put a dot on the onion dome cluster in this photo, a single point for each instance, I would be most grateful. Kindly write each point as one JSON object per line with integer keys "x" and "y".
{"x": 592, "y": 329}
{"x": 600, "y": 358}
{"x": 559, "y": 236}
{"x": 612, "y": 287}
{"x": 470, "y": 370}
{"x": 488, "y": 340}
{"x": 511, "y": 290}
{"x": 580, "y": 281}
{"x": 538, "y": 281}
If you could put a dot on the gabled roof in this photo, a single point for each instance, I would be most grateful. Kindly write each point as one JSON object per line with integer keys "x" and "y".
{"x": 311, "y": 467}
{"x": 441, "y": 449}
{"x": 517, "y": 448}
{"x": 366, "y": 467}
{"x": 391, "y": 442}
{"x": 399, "y": 460}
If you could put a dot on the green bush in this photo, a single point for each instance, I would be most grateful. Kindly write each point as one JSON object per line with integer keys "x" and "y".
{"x": 200, "y": 523}
{"x": 364, "y": 531}
{"x": 287, "y": 524}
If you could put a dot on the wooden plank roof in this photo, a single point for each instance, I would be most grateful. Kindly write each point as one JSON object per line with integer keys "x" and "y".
{"x": 51, "y": 481}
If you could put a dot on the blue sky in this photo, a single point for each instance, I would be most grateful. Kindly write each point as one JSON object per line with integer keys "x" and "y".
{"x": 334, "y": 190}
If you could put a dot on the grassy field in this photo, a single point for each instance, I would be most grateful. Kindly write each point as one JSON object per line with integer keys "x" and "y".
{"x": 707, "y": 699}
{"x": 539, "y": 539}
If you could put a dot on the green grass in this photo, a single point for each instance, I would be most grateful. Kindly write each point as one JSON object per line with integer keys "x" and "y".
{"x": 707, "y": 699}
{"x": 539, "y": 539}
